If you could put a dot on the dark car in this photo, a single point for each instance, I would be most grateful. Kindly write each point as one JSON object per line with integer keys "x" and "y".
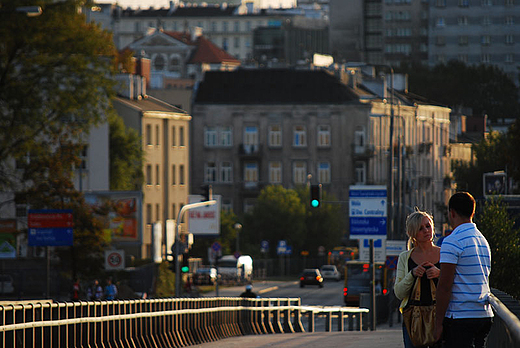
{"x": 311, "y": 276}
{"x": 205, "y": 276}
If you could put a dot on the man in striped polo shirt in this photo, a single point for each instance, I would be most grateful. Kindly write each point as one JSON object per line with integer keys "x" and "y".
{"x": 464, "y": 315}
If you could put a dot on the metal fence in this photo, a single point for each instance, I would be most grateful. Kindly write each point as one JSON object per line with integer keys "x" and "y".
{"x": 505, "y": 331}
{"x": 170, "y": 322}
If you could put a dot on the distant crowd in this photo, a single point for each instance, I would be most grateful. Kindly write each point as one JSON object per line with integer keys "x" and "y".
{"x": 94, "y": 291}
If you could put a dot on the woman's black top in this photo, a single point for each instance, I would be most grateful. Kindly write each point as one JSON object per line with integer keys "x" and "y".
{"x": 426, "y": 293}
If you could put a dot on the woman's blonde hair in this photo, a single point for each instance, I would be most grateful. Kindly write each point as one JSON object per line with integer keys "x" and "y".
{"x": 413, "y": 224}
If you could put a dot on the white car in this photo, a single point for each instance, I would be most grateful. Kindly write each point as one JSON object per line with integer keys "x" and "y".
{"x": 330, "y": 272}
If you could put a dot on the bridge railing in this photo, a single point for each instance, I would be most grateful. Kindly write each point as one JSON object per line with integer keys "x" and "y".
{"x": 505, "y": 331}
{"x": 168, "y": 322}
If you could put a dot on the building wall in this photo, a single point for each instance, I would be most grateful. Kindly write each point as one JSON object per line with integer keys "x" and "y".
{"x": 342, "y": 120}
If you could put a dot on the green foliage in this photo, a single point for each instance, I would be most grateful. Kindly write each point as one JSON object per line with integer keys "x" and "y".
{"x": 126, "y": 156}
{"x": 165, "y": 285}
{"x": 55, "y": 78}
{"x": 484, "y": 88}
{"x": 498, "y": 228}
{"x": 285, "y": 214}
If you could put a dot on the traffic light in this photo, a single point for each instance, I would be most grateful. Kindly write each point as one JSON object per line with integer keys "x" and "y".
{"x": 315, "y": 196}
{"x": 185, "y": 265}
{"x": 207, "y": 192}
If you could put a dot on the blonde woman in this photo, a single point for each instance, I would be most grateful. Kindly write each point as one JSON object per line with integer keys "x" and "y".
{"x": 420, "y": 260}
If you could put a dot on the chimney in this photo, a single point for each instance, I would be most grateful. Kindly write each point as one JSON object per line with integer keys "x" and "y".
{"x": 143, "y": 68}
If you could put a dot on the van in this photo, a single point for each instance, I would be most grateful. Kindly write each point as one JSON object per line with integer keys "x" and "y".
{"x": 235, "y": 269}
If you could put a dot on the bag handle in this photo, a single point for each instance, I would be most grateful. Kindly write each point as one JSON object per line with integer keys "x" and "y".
{"x": 417, "y": 289}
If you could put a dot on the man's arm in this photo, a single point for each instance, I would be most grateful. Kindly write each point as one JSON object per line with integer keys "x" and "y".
{"x": 443, "y": 295}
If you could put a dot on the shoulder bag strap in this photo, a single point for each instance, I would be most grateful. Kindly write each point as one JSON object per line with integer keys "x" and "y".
{"x": 417, "y": 289}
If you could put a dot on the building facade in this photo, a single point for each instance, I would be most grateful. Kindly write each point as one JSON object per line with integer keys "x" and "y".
{"x": 164, "y": 130}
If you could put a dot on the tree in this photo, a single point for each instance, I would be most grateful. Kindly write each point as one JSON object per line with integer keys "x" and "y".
{"x": 55, "y": 79}
{"x": 279, "y": 214}
{"x": 126, "y": 156}
{"x": 484, "y": 88}
{"x": 498, "y": 227}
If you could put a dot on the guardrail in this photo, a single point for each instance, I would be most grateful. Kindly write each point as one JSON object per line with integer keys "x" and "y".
{"x": 169, "y": 322}
{"x": 505, "y": 331}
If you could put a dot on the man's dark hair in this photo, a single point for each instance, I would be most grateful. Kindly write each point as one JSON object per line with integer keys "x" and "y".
{"x": 463, "y": 204}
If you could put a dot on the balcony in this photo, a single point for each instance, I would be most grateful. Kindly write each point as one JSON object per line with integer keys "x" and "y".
{"x": 251, "y": 188}
{"x": 362, "y": 151}
{"x": 247, "y": 151}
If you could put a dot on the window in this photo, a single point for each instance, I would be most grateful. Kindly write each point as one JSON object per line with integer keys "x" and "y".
{"x": 174, "y": 175}
{"x": 213, "y": 26}
{"x": 509, "y": 58}
{"x": 224, "y": 26}
{"x": 149, "y": 214}
{"x": 83, "y": 156}
{"x": 159, "y": 62}
{"x": 226, "y": 136}
{"x": 510, "y": 39}
{"x": 463, "y": 58}
{"x": 236, "y": 26}
{"x": 486, "y": 20}
{"x": 509, "y": 20}
{"x": 210, "y": 172}
{"x": 360, "y": 172}
{"x": 440, "y": 3}
{"x": 359, "y": 140}
{"x": 275, "y": 172}
{"x": 324, "y": 136}
{"x": 275, "y": 135}
{"x": 157, "y": 175}
{"x": 181, "y": 174}
{"x": 440, "y": 41}
{"x": 173, "y": 136}
{"x": 463, "y": 3}
{"x": 299, "y": 172}
{"x": 251, "y": 172}
{"x": 486, "y": 58}
{"x": 251, "y": 135}
{"x": 324, "y": 172}
{"x": 248, "y": 26}
{"x": 486, "y": 2}
{"x": 226, "y": 172}
{"x": 237, "y": 42}
{"x": 148, "y": 174}
{"x": 174, "y": 211}
{"x": 300, "y": 138}
{"x": 440, "y": 22}
{"x": 225, "y": 44}
{"x": 485, "y": 40}
{"x": 463, "y": 40}
{"x": 210, "y": 136}
{"x": 462, "y": 20}
{"x": 226, "y": 205}
{"x": 157, "y": 135}
{"x": 157, "y": 212}
{"x": 181, "y": 136}
{"x": 148, "y": 134}
{"x": 175, "y": 63}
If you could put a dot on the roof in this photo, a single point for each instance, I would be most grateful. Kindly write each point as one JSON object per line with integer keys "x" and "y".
{"x": 192, "y": 11}
{"x": 273, "y": 86}
{"x": 151, "y": 104}
{"x": 205, "y": 51}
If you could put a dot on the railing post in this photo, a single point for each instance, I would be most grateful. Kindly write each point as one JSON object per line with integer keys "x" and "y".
{"x": 341, "y": 324}
{"x": 311, "y": 320}
{"x": 328, "y": 321}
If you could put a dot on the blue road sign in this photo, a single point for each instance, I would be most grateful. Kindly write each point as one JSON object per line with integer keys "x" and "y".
{"x": 367, "y": 212}
{"x": 216, "y": 246}
{"x": 52, "y": 236}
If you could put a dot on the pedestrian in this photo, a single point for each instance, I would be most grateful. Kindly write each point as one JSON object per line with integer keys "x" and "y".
{"x": 76, "y": 289}
{"x": 110, "y": 290}
{"x": 420, "y": 261}
{"x": 464, "y": 315}
{"x": 249, "y": 292}
{"x": 97, "y": 290}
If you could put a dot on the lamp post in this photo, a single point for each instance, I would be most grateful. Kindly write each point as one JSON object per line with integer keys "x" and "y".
{"x": 237, "y": 227}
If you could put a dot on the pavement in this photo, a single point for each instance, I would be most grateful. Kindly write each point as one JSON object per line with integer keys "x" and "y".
{"x": 384, "y": 335}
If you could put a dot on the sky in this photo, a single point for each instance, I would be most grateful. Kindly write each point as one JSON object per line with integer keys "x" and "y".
{"x": 166, "y": 3}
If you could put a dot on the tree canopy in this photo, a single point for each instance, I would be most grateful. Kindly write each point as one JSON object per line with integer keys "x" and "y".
{"x": 484, "y": 88}
{"x": 55, "y": 78}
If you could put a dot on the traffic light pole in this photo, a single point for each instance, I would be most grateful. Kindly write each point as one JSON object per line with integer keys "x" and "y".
{"x": 178, "y": 242}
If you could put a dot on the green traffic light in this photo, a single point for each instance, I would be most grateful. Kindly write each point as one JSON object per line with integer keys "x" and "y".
{"x": 315, "y": 203}
{"x": 185, "y": 269}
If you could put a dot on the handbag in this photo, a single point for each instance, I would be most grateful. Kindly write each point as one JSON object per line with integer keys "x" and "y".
{"x": 420, "y": 320}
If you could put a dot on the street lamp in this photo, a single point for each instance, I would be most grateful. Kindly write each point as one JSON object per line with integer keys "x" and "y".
{"x": 30, "y": 11}
{"x": 237, "y": 227}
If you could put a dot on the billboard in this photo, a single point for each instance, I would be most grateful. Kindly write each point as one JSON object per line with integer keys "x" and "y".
{"x": 204, "y": 221}
{"x": 495, "y": 183}
{"x": 120, "y": 213}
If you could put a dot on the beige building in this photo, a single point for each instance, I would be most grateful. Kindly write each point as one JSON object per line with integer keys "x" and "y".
{"x": 165, "y": 135}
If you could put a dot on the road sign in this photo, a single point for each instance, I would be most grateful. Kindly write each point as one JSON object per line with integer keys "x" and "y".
{"x": 216, "y": 246}
{"x": 282, "y": 245}
{"x": 7, "y": 251}
{"x": 321, "y": 250}
{"x": 288, "y": 250}
{"x": 204, "y": 221}
{"x": 391, "y": 262}
{"x": 379, "y": 250}
{"x": 395, "y": 247}
{"x": 264, "y": 246}
{"x": 367, "y": 212}
{"x": 114, "y": 260}
{"x": 50, "y": 227}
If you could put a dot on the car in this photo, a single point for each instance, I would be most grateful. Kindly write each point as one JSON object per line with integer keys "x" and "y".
{"x": 205, "y": 276}
{"x": 330, "y": 272}
{"x": 311, "y": 276}
{"x": 6, "y": 284}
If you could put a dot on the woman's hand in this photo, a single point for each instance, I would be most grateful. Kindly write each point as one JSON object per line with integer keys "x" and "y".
{"x": 431, "y": 271}
{"x": 419, "y": 271}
